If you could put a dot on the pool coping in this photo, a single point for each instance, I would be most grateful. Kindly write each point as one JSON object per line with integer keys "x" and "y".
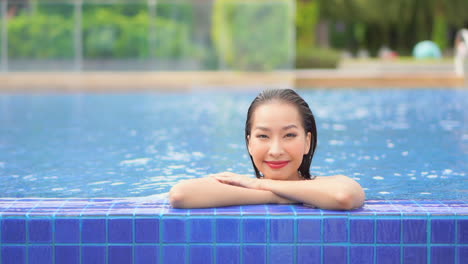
{"x": 170, "y": 81}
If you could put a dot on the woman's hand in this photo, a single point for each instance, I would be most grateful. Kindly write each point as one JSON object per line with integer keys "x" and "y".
{"x": 237, "y": 180}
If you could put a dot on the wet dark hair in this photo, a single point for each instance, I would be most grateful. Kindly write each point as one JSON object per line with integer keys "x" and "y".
{"x": 308, "y": 122}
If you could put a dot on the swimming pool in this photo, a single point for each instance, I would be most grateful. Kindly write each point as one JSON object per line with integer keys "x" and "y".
{"x": 408, "y": 148}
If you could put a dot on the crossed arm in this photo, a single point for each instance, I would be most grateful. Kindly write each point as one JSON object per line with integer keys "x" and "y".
{"x": 225, "y": 189}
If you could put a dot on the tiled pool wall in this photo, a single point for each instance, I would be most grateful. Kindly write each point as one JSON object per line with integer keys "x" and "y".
{"x": 75, "y": 231}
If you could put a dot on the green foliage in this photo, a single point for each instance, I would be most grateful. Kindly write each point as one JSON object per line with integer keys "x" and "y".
{"x": 314, "y": 57}
{"x": 253, "y": 35}
{"x": 40, "y": 36}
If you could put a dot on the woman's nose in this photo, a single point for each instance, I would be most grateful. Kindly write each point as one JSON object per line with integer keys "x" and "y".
{"x": 276, "y": 149}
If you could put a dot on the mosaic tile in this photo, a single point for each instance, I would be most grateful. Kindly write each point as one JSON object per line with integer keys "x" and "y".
{"x": 146, "y": 254}
{"x": 13, "y": 231}
{"x": 227, "y": 230}
{"x": 388, "y": 255}
{"x": 201, "y": 230}
{"x": 254, "y": 254}
{"x": 229, "y": 210}
{"x": 362, "y": 230}
{"x": 203, "y": 211}
{"x": 335, "y": 254}
{"x": 442, "y": 231}
{"x": 120, "y": 230}
{"x": 120, "y": 254}
{"x": 173, "y": 254}
{"x": 67, "y": 230}
{"x": 361, "y": 255}
{"x": 147, "y": 230}
{"x": 40, "y": 230}
{"x": 414, "y": 231}
{"x": 462, "y": 226}
{"x": 304, "y": 210}
{"x": 254, "y": 209}
{"x": 309, "y": 230}
{"x": 414, "y": 254}
{"x": 388, "y": 231}
{"x": 442, "y": 255}
{"x": 174, "y": 230}
{"x": 280, "y": 210}
{"x": 228, "y": 254}
{"x": 40, "y": 254}
{"x": 13, "y": 254}
{"x": 281, "y": 231}
{"x": 462, "y": 254}
{"x": 335, "y": 230}
{"x": 307, "y": 254}
{"x": 93, "y": 231}
{"x": 281, "y": 254}
{"x": 94, "y": 254}
{"x": 201, "y": 254}
{"x": 67, "y": 254}
{"x": 254, "y": 230}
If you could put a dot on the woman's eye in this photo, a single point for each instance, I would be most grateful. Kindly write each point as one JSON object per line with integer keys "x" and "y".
{"x": 291, "y": 135}
{"x": 262, "y": 136}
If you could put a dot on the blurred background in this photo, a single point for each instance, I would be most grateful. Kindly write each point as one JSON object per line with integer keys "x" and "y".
{"x": 184, "y": 35}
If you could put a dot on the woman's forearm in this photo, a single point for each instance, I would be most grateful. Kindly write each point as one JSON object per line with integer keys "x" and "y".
{"x": 208, "y": 192}
{"x": 334, "y": 192}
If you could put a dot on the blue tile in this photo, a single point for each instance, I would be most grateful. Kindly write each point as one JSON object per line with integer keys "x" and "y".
{"x": 229, "y": 210}
{"x": 254, "y": 254}
{"x": 41, "y": 255}
{"x": 388, "y": 231}
{"x": 146, "y": 254}
{"x": 414, "y": 255}
{"x": 281, "y": 254}
{"x": 201, "y": 230}
{"x": 259, "y": 209}
{"x": 67, "y": 230}
{"x": 334, "y": 255}
{"x": 202, "y": 211}
{"x": 93, "y": 231}
{"x": 93, "y": 254}
{"x": 120, "y": 254}
{"x": 227, "y": 230}
{"x": 388, "y": 255}
{"x": 13, "y": 231}
{"x": 120, "y": 230}
{"x": 40, "y": 231}
{"x": 308, "y": 254}
{"x": 281, "y": 230}
{"x": 67, "y": 254}
{"x": 13, "y": 255}
{"x": 228, "y": 254}
{"x": 279, "y": 209}
{"x": 201, "y": 255}
{"x": 147, "y": 230}
{"x": 362, "y": 230}
{"x": 309, "y": 230}
{"x": 361, "y": 255}
{"x": 462, "y": 231}
{"x": 254, "y": 230}
{"x": 443, "y": 255}
{"x": 414, "y": 231}
{"x": 174, "y": 254}
{"x": 462, "y": 254}
{"x": 335, "y": 230}
{"x": 174, "y": 230}
{"x": 443, "y": 231}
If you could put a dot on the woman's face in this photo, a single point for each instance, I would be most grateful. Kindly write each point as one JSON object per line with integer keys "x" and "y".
{"x": 278, "y": 141}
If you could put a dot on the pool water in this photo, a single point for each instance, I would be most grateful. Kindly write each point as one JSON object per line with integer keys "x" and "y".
{"x": 398, "y": 144}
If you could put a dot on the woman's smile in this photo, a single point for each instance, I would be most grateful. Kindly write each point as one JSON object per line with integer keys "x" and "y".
{"x": 276, "y": 165}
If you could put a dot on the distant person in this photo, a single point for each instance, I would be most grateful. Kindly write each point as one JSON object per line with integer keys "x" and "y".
{"x": 281, "y": 138}
{"x": 461, "y": 51}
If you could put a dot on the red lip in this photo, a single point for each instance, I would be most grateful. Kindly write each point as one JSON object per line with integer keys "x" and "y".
{"x": 276, "y": 164}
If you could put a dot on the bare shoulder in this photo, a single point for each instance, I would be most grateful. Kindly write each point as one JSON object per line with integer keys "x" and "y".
{"x": 338, "y": 177}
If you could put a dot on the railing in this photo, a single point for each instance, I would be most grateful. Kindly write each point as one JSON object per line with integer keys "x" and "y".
{"x": 146, "y": 35}
{"x": 461, "y": 51}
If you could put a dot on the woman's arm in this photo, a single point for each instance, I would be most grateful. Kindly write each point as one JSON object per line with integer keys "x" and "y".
{"x": 333, "y": 192}
{"x": 209, "y": 192}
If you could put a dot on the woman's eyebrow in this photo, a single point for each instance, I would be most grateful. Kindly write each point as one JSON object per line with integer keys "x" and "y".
{"x": 268, "y": 129}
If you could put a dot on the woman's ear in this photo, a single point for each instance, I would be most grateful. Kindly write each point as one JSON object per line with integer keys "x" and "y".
{"x": 308, "y": 141}
{"x": 248, "y": 144}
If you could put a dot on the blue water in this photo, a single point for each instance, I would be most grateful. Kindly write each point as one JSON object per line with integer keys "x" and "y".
{"x": 399, "y": 144}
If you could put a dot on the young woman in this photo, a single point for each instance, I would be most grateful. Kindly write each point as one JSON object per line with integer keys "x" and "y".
{"x": 281, "y": 137}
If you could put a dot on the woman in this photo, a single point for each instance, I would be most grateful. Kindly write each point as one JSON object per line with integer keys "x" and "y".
{"x": 281, "y": 137}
